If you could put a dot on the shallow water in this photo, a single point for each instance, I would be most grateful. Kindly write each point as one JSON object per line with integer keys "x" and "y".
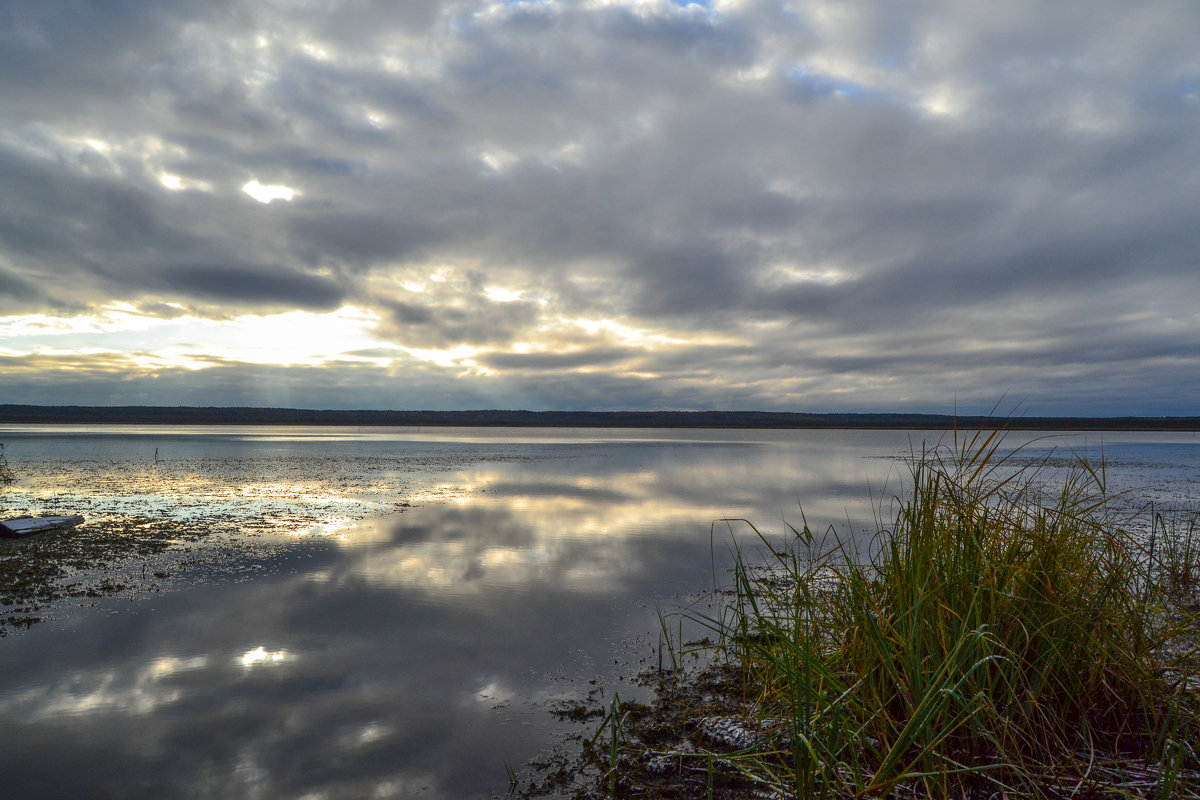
{"x": 391, "y": 612}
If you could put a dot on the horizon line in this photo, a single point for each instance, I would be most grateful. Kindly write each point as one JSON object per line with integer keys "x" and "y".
{"x": 660, "y": 418}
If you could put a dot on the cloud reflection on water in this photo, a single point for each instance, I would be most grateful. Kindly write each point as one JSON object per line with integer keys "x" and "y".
{"x": 136, "y": 692}
{"x": 408, "y": 655}
{"x": 572, "y": 521}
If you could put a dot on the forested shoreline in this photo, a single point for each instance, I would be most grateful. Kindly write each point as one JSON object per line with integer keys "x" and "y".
{"x": 221, "y": 415}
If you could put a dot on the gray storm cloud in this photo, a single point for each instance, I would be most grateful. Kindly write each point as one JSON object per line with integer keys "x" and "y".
{"x": 618, "y": 203}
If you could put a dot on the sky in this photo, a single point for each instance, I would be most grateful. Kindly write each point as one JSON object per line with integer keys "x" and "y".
{"x": 602, "y": 204}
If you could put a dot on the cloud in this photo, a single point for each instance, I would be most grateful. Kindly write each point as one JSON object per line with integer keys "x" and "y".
{"x": 843, "y": 191}
{"x": 256, "y": 285}
{"x": 558, "y": 361}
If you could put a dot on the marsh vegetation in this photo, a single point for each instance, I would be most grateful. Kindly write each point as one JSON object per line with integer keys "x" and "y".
{"x": 6, "y": 473}
{"x": 994, "y": 639}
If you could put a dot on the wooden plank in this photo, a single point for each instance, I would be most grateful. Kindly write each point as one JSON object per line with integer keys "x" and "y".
{"x": 20, "y": 526}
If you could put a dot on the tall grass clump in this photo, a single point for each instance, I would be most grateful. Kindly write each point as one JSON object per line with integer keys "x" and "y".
{"x": 990, "y": 641}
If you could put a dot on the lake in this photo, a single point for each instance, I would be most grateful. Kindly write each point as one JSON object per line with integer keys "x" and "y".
{"x": 393, "y": 612}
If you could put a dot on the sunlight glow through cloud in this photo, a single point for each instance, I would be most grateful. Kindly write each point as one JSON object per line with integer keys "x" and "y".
{"x": 500, "y": 295}
{"x": 293, "y": 337}
{"x": 177, "y": 183}
{"x": 266, "y": 193}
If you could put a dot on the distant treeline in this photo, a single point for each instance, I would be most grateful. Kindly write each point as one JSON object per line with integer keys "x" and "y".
{"x": 217, "y": 415}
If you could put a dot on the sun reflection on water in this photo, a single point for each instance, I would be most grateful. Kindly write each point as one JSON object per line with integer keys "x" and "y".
{"x": 261, "y": 656}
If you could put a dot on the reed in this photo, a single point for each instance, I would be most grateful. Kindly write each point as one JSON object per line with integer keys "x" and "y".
{"x": 989, "y": 641}
{"x": 6, "y": 474}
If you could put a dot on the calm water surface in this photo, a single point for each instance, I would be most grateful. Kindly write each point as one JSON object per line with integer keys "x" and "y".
{"x": 403, "y": 606}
